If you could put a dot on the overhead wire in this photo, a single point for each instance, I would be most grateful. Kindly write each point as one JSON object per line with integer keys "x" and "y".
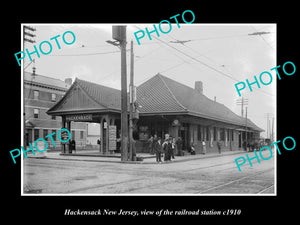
{"x": 89, "y": 54}
{"x": 199, "y": 61}
{"x": 176, "y": 49}
{"x": 172, "y": 67}
{"x": 138, "y": 59}
{"x": 200, "y": 54}
{"x": 263, "y": 38}
{"x": 219, "y": 37}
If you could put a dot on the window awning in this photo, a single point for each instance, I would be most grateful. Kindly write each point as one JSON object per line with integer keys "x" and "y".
{"x": 29, "y": 124}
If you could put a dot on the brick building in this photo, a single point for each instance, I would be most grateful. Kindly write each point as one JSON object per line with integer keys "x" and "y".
{"x": 40, "y": 94}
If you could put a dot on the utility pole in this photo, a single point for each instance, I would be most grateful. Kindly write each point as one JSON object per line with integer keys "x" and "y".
{"x": 246, "y": 128}
{"x": 124, "y": 114}
{"x": 272, "y": 136}
{"x": 26, "y": 33}
{"x": 25, "y": 39}
{"x": 119, "y": 34}
{"x": 269, "y": 129}
{"x": 132, "y": 95}
{"x": 30, "y": 34}
{"x": 242, "y": 102}
{"x": 267, "y": 125}
{"x": 269, "y": 133}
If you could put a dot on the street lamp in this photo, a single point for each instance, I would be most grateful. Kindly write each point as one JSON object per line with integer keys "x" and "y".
{"x": 115, "y": 43}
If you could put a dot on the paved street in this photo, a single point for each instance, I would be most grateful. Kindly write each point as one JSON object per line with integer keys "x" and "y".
{"x": 213, "y": 175}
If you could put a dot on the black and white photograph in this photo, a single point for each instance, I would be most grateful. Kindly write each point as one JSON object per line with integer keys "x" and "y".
{"x": 165, "y": 109}
{"x": 126, "y": 113}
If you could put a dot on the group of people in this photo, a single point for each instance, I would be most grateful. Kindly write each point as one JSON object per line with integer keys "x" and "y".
{"x": 167, "y": 147}
{"x": 252, "y": 145}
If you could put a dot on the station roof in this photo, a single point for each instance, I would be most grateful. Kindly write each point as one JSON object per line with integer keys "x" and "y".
{"x": 162, "y": 94}
{"x": 87, "y": 97}
{"x": 158, "y": 95}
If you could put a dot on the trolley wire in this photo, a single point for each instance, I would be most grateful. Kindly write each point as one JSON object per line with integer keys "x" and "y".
{"x": 203, "y": 63}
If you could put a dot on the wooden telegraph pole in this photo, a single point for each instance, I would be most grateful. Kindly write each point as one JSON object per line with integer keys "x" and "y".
{"x": 133, "y": 116}
{"x": 131, "y": 90}
{"x": 119, "y": 34}
{"x": 124, "y": 114}
{"x": 31, "y": 34}
{"x": 242, "y": 102}
{"x": 246, "y": 128}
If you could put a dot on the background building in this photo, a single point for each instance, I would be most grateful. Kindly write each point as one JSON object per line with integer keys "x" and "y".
{"x": 40, "y": 94}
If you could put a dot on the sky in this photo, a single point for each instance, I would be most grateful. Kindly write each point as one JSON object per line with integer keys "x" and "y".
{"x": 219, "y": 55}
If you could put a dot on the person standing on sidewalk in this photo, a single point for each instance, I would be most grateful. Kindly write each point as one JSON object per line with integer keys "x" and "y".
{"x": 192, "y": 149}
{"x": 150, "y": 146}
{"x": 157, "y": 149}
{"x": 204, "y": 147}
{"x": 174, "y": 148}
{"x": 219, "y": 146}
{"x": 170, "y": 149}
{"x": 164, "y": 148}
{"x": 167, "y": 147}
{"x": 244, "y": 146}
{"x": 179, "y": 146}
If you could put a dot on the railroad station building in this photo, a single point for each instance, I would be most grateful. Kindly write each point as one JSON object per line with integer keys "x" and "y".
{"x": 166, "y": 107}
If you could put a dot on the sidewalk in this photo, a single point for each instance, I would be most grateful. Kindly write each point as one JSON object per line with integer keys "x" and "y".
{"x": 94, "y": 156}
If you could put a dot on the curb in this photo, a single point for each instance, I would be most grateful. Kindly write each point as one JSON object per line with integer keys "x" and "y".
{"x": 135, "y": 162}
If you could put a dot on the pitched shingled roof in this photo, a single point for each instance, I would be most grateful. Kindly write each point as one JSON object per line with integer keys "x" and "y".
{"x": 162, "y": 94}
{"x": 158, "y": 95}
{"x": 108, "y": 97}
{"x": 84, "y": 96}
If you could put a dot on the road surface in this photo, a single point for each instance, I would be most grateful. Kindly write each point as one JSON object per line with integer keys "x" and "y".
{"x": 204, "y": 176}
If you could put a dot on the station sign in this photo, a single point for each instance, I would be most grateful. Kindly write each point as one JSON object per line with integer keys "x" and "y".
{"x": 112, "y": 137}
{"x": 80, "y": 117}
{"x": 64, "y": 135}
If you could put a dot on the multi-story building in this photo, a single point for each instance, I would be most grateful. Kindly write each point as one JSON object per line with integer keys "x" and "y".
{"x": 40, "y": 94}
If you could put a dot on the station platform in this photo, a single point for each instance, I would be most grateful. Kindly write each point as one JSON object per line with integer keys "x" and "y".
{"x": 143, "y": 158}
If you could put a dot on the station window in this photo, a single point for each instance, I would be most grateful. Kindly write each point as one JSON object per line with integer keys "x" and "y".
{"x": 73, "y": 134}
{"x": 215, "y": 133}
{"x": 222, "y": 134}
{"x": 45, "y": 133}
{"x": 199, "y": 133}
{"x": 54, "y": 136}
{"x": 36, "y": 134}
{"x": 207, "y": 133}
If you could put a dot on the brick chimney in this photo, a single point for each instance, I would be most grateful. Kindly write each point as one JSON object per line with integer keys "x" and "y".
{"x": 68, "y": 81}
{"x": 199, "y": 87}
{"x": 33, "y": 71}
